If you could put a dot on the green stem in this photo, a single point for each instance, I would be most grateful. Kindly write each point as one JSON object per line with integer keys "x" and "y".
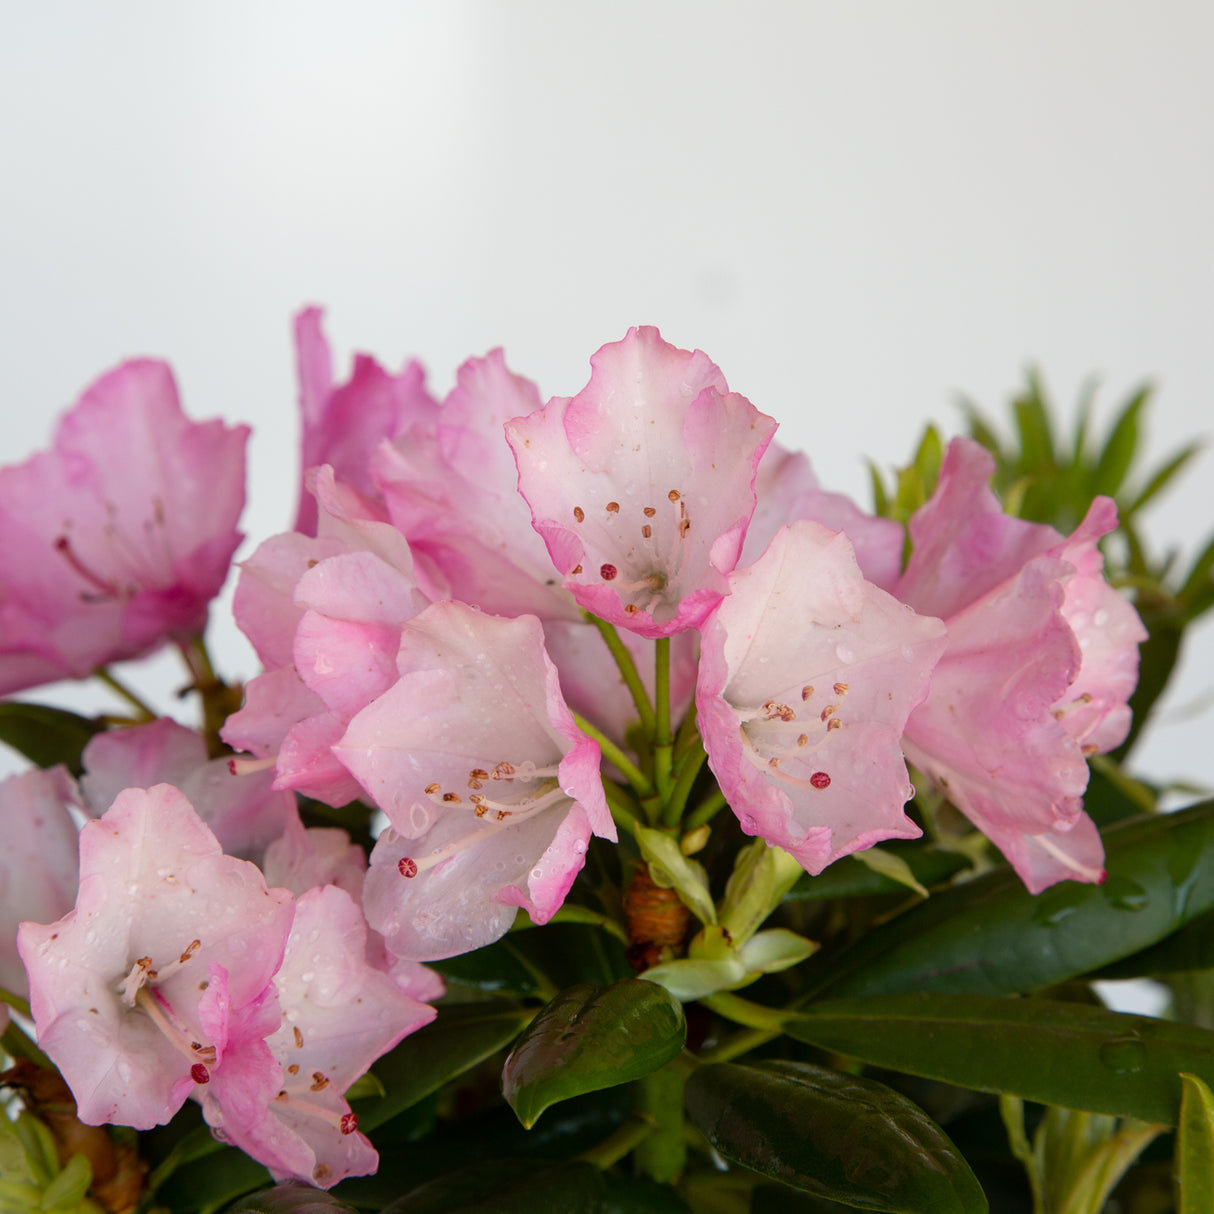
{"x": 217, "y": 698}
{"x": 685, "y": 776}
{"x": 662, "y": 1153}
{"x": 144, "y": 710}
{"x": 688, "y": 733}
{"x": 663, "y": 740}
{"x": 706, "y": 810}
{"x": 628, "y": 669}
{"x": 623, "y": 1142}
{"x": 743, "y": 1011}
{"x": 738, "y": 1044}
{"x": 623, "y": 810}
{"x": 614, "y": 755}
{"x": 576, "y": 914}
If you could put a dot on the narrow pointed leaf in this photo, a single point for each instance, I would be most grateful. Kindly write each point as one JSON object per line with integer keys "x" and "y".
{"x": 1164, "y": 474}
{"x": 461, "y": 1037}
{"x": 837, "y": 1136}
{"x": 1069, "y": 1054}
{"x": 46, "y": 735}
{"x": 1195, "y": 1148}
{"x": 591, "y": 1037}
{"x": 990, "y": 936}
{"x": 1119, "y": 451}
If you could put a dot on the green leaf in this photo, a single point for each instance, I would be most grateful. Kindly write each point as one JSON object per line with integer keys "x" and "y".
{"x": 1070, "y": 1054}
{"x": 591, "y": 1037}
{"x": 498, "y": 969}
{"x": 990, "y": 936}
{"x": 67, "y": 1190}
{"x": 1033, "y": 425}
{"x": 762, "y": 876}
{"x": 1164, "y": 474}
{"x": 837, "y": 1136}
{"x": 849, "y": 878}
{"x": 508, "y": 1186}
{"x": 670, "y": 869}
{"x": 213, "y": 1182}
{"x": 1195, "y": 1148}
{"x": 626, "y": 1195}
{"x": 46, "y": 735}
{"x": 293, "y": 1198}
{"x": 1187, "y": 951}
{"x": 890, "y": 864}
{"x": 1199, "y": 574}
{"x": 1119, "y": 451}
{"x": 462, "y": 1036}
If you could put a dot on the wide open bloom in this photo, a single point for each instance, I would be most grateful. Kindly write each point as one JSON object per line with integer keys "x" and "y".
{"x": 335, "y": 1014}
{"x": 642, "y": 485}
{"x": 1042, "y": 656}
{"x": 491, "y": 789}
{"x": 807, "y": 676}
{"x": 134, "y": 992}
{"x": 119, "y": 537}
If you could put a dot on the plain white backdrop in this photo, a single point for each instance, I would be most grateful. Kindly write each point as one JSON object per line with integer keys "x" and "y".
{"x": 858, "y": 210}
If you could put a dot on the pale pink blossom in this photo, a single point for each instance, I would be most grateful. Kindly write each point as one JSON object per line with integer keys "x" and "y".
{"x": 133, "y": 992}
{"x": 243, "y": 811}
{"x": 642, "y": 484}
{"x": 325, "y": 616}
{"x": 807, "y": 676}
{"x": 457, "y": 500}
{"x": 119, "y": 537}
{"x": 491, "y": 789}
{"x": 38, "y": 861}
{"x": 1042, "y": 655}
{"x": 342, "y": 425}
{"x": 335, "y": 1015}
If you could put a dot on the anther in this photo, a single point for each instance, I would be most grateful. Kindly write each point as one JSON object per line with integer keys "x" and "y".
{"x": 199, "y": 1073}
{"x": 840, "y": 689}
{"x": 806, "y": 692}
{"x": 820, "y": 780}
{"x": 646, "y": 531}
{"x": 649, "y": 511}
{"x": 608, "y": 572}
{"x": 579, "y": 514}
{"x": 613, "y": 507}
{"x": 674, "y": 495}
{"x": 408, "y": 868}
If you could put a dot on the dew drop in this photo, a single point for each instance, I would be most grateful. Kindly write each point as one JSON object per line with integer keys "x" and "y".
{"x": 579, "y": 846}
{"x": 419, "y": 816}
{"x": 1124, "y": 1055}
{"x": 748, "y": 824}
{"x": 536, "y": 873}
{"x": 845, "y": 654}
{"x": 90, "y": 936}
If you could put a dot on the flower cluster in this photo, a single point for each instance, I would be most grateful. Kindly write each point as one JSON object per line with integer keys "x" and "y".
{"x": 512, "y": 627}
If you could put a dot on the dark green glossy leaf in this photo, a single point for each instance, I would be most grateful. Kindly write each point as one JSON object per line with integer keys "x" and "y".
{"x": 212, "y": 1182}
{"x": 591, "y": 1037}
{"x": 498, "y": 968}
{"x": 990, "y": 936}
{"x": 849, "y": 878}
{"x": 1069, "y": 1054}
{"x": 508, "y": 1186}
{"x": 837, "y": 1136}
{"x": 462, "y": 1036}
{"x": 1195, "y": 1148}
{"x": 626, "y": 1195}
{"x": 46, "y": 735}
{"x": 1158, "y": 656}
{"x": 294, "y": 1198}
{"x": 1198, "y": 575}
{"x": 1187, "y": 951}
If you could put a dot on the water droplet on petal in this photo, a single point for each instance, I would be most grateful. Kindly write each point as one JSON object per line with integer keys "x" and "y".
{"x": 748, "y": 824}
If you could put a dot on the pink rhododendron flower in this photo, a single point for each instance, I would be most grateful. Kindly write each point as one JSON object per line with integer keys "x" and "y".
{"x": 642, "y": 484}
{"x": 788, "y": 491}
{"x": 119, "y": 537}
{"x": 244, "y": 812}
{"x": 325, "y": 616}
{"x": 807, "y": 676}
{"x": 38, "y": 861}
{"x": 133, "y": 992}
{"x": 458, "y": 504}
{"x": 1042, "y": 655}
{"x": 491, "y": 789}
{"x": 342, "y": 425}
{"x": 335, "y": 1015}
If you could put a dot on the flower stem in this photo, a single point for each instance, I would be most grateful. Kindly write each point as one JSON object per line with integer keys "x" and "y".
{"x": 218, "y": 699}
{"x": 628, "y": 669}
{"x": 623, "y": 810}
{"x": 146, "y": 713}
{"x": 685, "y": 774}
{"x": 743, "y": 1011}
{"x": 706, "y": 810}
{"x": 613, "y": 754}
{"x": 623, "y": 1142}
{"x": 662, "y": 1153}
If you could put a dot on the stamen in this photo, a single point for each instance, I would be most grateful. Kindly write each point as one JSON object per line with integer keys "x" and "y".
{"x": 161, "y": 1014}
{"x": 345, "y": 1123}
{"x": 248, "y": 766}
{"x": 107, "y": 589}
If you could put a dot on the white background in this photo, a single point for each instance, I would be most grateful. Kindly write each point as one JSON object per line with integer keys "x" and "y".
{"x": 857, "y": 210}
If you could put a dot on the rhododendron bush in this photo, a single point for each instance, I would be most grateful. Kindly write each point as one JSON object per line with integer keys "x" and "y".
{"x": 574, "y": 720}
